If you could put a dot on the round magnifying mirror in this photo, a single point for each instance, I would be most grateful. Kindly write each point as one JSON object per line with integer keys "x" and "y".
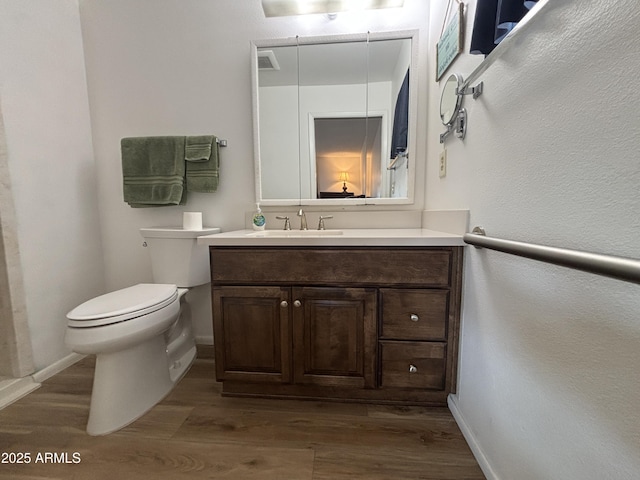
{"x": 450, "y": 101}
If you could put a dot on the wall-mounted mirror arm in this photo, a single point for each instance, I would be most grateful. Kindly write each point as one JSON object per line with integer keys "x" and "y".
{"x": 467, "y": 90}
{"x": 444, "y": 135}
{"x": 457, "y": 126}
{"x": 460, "y": 126}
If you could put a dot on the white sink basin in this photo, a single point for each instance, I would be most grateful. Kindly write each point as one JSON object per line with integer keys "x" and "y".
{"x": 294, "y": 233}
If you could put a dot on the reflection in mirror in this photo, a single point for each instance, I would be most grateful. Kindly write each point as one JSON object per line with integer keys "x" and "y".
{"x": 325, "y": 113}
{"x": 450, "y": 100}
{"x": 341, "y": 144}
{"x": 452, "y": 114}
{"x": 278, "y": 120}
{"x": 332, "y": 83}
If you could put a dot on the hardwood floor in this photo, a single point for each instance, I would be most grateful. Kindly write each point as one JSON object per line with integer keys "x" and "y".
{"x": 195, "y": 433}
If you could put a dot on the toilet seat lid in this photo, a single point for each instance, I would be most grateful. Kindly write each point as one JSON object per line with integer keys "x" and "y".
{"x": 123, "y": 304}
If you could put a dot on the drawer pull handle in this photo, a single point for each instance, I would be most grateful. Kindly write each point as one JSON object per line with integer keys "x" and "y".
{"x": 297, "y": 303}
{"x": 413, "y": 369}
{"x": 414, "y": 317}
{"x": 284, "y": 304}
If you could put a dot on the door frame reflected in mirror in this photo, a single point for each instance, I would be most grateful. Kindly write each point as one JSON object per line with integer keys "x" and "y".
{"x": 363, "y": 179}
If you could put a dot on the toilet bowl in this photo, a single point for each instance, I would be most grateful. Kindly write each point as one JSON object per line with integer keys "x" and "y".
{"x": 141, "y": 335}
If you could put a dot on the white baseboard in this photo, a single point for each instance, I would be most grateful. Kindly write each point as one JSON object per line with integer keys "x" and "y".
{"x": 56, "y": 367}
{"x": 452, "y": 401}
{"x": 14, "y": 389}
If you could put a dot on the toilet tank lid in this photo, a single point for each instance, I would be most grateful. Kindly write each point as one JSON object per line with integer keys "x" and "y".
{"x": 176, "y": 232}
{"x": 128, "y": 300}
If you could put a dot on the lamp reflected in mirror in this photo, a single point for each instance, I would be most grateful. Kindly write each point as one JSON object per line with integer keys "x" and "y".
{"x": 344, "y": 177}
{"x": 338, "y": 175}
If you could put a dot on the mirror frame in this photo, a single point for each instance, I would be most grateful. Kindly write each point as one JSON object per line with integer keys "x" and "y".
{"x": 458, "y": 98}
{"x": 413, "y": 115}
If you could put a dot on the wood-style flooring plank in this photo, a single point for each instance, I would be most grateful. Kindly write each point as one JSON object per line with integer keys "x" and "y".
{"x": 380, "y": 463}
{"x": 195, "y": 433}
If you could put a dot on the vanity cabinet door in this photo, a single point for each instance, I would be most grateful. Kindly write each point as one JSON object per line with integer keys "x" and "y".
{"x": 251, "y": 329}
{"x": 334, "y": 336}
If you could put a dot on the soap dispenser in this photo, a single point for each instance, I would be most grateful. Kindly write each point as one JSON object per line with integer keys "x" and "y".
{"x": 258, "y": 222}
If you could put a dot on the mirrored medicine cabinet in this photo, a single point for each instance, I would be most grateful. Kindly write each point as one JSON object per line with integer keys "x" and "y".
{"x": 335, "y": 119}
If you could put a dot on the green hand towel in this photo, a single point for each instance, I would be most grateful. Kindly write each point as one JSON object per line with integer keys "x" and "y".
{"x": 153, "y": 171}
{"x": 202, "y": 171}
{"x": 198, "y": 148}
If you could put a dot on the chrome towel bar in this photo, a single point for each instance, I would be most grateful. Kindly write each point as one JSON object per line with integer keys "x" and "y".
{"x": 621, "y": 268}
{"x": 396, "y": 160}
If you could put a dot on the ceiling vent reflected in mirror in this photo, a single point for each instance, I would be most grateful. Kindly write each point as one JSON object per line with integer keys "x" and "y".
{"x": 267, "y": 60}
{"x": 283, "y": 8}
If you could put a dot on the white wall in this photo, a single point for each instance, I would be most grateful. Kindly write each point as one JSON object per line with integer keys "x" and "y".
{"x": 50, "y": 164}
{"x": 548, "y": 382}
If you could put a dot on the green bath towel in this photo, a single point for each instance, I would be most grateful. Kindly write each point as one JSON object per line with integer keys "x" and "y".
{"x": 153, "y": 170}
{"x": 202, "y": 163}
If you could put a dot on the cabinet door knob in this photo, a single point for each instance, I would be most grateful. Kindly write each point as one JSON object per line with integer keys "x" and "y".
{"x": 414, "y": 317}
{"x": 284, "y": 304}
{"x": 413, "y": 369}
{"x": 297, "y": 303}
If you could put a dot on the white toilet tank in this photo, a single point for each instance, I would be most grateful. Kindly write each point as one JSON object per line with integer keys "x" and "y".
{"x": 176, "y": 257}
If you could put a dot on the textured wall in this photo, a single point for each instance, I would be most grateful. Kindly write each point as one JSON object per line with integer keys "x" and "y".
{"x": 548, "y": 380}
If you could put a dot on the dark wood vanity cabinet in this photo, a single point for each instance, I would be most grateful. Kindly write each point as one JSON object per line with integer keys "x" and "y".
{"x": 350, "y": 323}
{"x": 305, "y": 335}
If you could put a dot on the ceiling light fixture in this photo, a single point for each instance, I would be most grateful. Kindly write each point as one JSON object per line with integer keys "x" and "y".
{"x": 283, "y": 8}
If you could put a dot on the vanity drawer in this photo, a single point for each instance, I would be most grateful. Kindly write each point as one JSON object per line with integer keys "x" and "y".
{"x": 413, "y": 365}
{"x": 428, "y": 266}
{"x": 413, "y": 314}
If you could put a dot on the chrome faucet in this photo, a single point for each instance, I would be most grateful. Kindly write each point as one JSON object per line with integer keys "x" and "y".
{"x": 321, "y": 221}
{"x": 303, "y": 220}
{"x": 287, "y": 223}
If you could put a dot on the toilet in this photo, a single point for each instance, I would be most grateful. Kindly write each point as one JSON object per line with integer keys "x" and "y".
{"x": 141, "y": 335}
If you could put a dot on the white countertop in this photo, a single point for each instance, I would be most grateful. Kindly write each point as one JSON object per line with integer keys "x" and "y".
{"x": 365, "y": 237}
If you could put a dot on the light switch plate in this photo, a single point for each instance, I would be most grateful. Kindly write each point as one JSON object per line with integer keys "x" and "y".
{"x": 442, "y": 169}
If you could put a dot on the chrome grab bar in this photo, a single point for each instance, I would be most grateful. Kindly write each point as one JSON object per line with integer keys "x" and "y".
{"x": 621, "y": 268}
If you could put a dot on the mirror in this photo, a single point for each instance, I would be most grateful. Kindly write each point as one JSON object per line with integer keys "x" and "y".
{"x": 328, "y": 112}
{"x": 450, "y": 101}
{"x": 452, "y": 114}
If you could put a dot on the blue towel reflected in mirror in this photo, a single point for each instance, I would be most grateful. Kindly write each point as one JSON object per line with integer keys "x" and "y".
{"x": 401, "y": 119}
